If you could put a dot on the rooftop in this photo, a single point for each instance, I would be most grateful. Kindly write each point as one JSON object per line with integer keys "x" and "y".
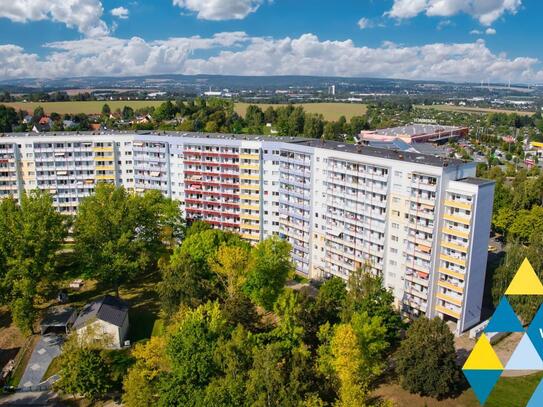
{"x": 477, "y": 181}
{"x": 390, "y": 154}
{"x": 109, "y": 309}
{"x": 416, "y": 130}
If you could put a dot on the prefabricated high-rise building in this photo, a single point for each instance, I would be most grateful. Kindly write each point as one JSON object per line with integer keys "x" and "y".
{"x": 421, "y": 222}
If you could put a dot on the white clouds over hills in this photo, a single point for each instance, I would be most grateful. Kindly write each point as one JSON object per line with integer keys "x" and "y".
{"x": 486, "y": 11}
{"x": 84, "y": 15}
{"x": 235, "y": 53}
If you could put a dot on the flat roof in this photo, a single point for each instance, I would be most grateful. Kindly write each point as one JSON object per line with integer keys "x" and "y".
{"x": 389, "y": 154}
{"x": 477, "y": 181}
{"x": 221, "y": 136}
{"x": 416, "y": 129}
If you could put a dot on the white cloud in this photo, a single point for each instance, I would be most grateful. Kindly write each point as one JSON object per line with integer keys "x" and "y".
{"x": 490, "y": 31}
{"x": 220, "y": 9}
{"x": 486, "y": 11}
{"x": 364, "y": 23}
{"x": 235, "y": 53}
{"x": 476, "y": 32}
{"x": 120, "y": 12}
{"x": 85, "y": 15}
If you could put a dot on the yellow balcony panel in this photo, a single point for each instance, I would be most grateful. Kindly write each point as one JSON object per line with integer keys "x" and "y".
{"x": 447, "y": 311}
{"x": 251, "y": 237}
{"x": 104, "y": 168}
{"x": 249, "y": 226}
{"x": 444, "y": 270}
{"x": 107, "y": 158}
{"x": 457, "y": 233}
{"x": 254, "y": 197}
{"x": 249, "y": 217}
{"x": 250, "y": 177}
{"x": 103, "y": 149}
{"x": 450, "y": 286}
{"x": 104, "y": 177}
{"x": 453, "y": 246}
{"x": 255, "y": 157}
{"x": 458, "y": 204}
{"x": 458, "y": 219}
{"x": 249, "y": 187}
{"x": 254, "y": 167}
{"x": 449, "y": 299}
{"x": 454, "y": 260}
{"x": 250, "y": 207}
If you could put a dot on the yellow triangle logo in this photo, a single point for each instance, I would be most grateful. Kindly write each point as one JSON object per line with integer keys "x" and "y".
{"x": 525, "y": 281}
{"x": 483, "y": 357}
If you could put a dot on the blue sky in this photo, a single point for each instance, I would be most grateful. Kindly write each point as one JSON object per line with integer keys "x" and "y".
{"x": 458, "y": 40}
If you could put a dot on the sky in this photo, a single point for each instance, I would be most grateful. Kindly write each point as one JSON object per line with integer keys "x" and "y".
{"x": 449, "y": 40}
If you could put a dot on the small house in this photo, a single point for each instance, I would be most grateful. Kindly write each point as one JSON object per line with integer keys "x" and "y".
{"x": 105, "y": 319}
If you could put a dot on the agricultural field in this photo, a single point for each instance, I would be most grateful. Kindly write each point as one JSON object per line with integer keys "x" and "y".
{"x": 467, "y": 109}
{"x": 330, "y": 111}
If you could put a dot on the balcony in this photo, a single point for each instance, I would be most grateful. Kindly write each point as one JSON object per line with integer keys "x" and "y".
{"x": 457, "y": 219}
{"x": 456, "y": 232}
{"x": 450, "y": 286}
{"x": 454, "y": 246}
{"x": 452, "y": 273}
{"x": 465, "y": 205}
{"x": 454, "y": 260}
{"x": 448, "y": 311}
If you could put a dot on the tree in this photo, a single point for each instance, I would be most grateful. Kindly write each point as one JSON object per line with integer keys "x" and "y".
{"x": 8, "y": 119}
{"x": 139, "y": 386}
{"x": 83, "y": 371}
{"x": 280, "y": 376}
{"x": 191, "y": 349}
{"x": 367, "y": 294}
{"x": 166, "y": 111}
{"x": 269, "y": 267}
{"x": 313, "y": 126}
{"x": 39, "y": 112}
{"x": 106, "y": 110}
{"x": 331, "y": 300}
{"x": 254, "y": 118}
{"x": 127, "y": 113}
{"x": 31, "y": 235}
{"x": 426, "y": 359}
{"x": 230, "y": 263}
{"x": 184, "y": 282}
{"x": 118, "y": 235}
{"x": 352, "y": 356}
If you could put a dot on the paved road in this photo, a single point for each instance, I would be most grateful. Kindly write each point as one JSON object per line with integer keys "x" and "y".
{"x": 40, "y": 398}
{"x": 45, "y": 351}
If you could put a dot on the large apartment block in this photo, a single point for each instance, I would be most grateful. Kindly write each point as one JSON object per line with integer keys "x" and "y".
{"x": 421, "y": 222}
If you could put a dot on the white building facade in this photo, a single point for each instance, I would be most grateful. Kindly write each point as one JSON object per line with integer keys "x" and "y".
{"x": 421, "y": 222}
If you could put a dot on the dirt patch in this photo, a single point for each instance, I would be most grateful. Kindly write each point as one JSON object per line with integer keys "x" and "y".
{"x": 11, "y": 339}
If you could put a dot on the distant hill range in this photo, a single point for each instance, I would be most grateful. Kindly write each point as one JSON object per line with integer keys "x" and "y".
{"x": 200, "y": 83}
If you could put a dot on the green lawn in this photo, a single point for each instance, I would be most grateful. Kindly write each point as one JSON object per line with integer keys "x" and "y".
{"x": 514, "y": 391}
{"x": 53, "y": 369}
{"x": 509, "y": 392}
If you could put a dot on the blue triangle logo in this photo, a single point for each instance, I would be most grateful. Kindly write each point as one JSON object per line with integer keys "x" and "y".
{"x": 535, "y": 331}
{"x": 504, "y": 319}
{"x": 537, "y": 397}
{"x": 482, "y": 382}
{"x": 525, "y": 357}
